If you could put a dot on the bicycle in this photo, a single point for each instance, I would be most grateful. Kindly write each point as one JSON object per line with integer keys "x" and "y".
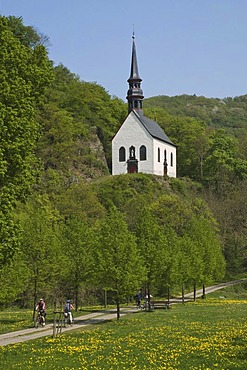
{"x": 138, "y": 304}
{"x": 68, "y": 319}
{"x": 40, "y": 320}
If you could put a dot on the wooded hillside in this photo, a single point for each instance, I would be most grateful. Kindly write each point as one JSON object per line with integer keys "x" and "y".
{"x": 69, "y": 227}
{"x": 230, "y": 112}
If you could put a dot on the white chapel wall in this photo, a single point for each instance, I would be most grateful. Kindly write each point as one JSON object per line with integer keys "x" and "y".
{"x": 159, "y": 166}
{"x": 132, "y": 133}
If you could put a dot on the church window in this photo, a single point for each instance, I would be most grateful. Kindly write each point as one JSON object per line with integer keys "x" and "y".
{"x": 158, "y": 154}
{"x": 143, "y": 153}
{"x": 136, "y": 104}
{"x": 165, "y": 156}
{"x": 171, "y": 159}
{"x": 122, "y": 154}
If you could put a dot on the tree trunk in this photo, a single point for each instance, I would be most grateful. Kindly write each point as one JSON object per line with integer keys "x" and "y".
{"x": 35, "y": 294}
{"x": 149, "y": 298}
{"x": 182, "y": 293}
{"x": 169, "y": 296}
{"x": 76, "y": 296}
{"x": 118, "y": 308}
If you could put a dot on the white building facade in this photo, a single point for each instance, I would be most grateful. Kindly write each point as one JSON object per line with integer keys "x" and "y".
{"x": 150, "y": 154}
{"x": 141, "y": 145}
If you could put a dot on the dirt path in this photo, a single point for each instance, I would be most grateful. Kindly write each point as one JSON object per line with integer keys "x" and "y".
{"x": 92, "y": 318}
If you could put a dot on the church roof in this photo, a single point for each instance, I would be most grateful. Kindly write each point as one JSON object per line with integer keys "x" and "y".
{"x": 152, "y": 127}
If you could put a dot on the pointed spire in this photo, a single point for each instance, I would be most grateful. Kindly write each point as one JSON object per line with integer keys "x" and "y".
{"x": 134, "y": 67}
{"x": 135, "y": 93}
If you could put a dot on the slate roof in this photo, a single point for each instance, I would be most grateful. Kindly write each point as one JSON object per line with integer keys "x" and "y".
{"x": 152, "y": 127}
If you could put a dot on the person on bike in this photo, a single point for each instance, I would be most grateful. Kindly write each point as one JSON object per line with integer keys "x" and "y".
{"x": 41, "y": 309}
{"x": 138, "y": 298}
{"x": 67, "y": 310}
{"x": 147, "y": 300}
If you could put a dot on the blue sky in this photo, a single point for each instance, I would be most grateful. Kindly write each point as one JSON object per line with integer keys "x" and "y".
{"x": 183, "y": 46}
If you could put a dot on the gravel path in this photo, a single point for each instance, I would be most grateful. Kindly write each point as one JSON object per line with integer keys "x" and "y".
{"x": 215, "y": 287}
{"x": 89, "y": 319}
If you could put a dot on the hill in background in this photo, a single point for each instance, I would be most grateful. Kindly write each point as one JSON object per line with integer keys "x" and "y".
{"x": 219, "y": 113}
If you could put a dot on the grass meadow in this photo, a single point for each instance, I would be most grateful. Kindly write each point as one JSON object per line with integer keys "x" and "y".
{"x": 14, "y": 319}
{"x": 208, "y": 334}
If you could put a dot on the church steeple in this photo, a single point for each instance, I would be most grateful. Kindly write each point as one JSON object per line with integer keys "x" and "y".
{"x": 135, "y": 93}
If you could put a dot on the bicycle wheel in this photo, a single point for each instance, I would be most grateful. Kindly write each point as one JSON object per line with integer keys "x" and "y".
{"x": 36, "y": 323}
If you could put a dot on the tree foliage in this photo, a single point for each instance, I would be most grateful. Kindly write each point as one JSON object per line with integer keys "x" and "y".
{"x": 118, "y": 264}
{"x": 86, "y": 228}
{"x": 27, "y": 35}
{"x": 78, "y": 245}
{"x": 176, "y": 232}
{"x": 90, "y": 115}
{"x": 25, "y": 73}
{"x": 153, "y": 245}
{"x": 218, "y": 113}
{"x": 197, "y": 244}
{"x": 41, "y": 246}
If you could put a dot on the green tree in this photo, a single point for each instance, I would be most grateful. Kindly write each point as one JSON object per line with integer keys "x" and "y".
{"x": 153, "y": 246}
{"x": 191, "y": 137}
{"x": 217, "y": 113}
{"x": 203, "y": 230}
{"x": 78, "y": 247}
{"x": 59, "y": 144}
{"x": 231, "y": 214}
{"x": 14, "y": 278}
{"x": 25, "y": 73}
{"x": 79, "y": 200}
{"x": 223, "y": 165}
{"x": 90, "y": 105}
{"x": 196, "y": 253}
{"x": 118, "y": 264}
{"x": 41, "y": 246}
{"x": 27, "y": 35}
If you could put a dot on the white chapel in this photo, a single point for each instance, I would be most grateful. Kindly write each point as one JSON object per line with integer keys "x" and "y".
{"x": 141, "y": 145}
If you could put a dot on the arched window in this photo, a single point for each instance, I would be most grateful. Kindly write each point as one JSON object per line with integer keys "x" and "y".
{"x": 171, "y": 159}
{"x": 165, "y": 156}
{"x": 143, "y": 153}
{"x": 122, "y": 154}
{"x": 158, "y": 154}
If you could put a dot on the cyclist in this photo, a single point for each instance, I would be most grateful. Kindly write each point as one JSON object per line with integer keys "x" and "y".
{"x": 67, "y": 311}
{"x": 41, "y": 309}
{"x": 138, "y": 298}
